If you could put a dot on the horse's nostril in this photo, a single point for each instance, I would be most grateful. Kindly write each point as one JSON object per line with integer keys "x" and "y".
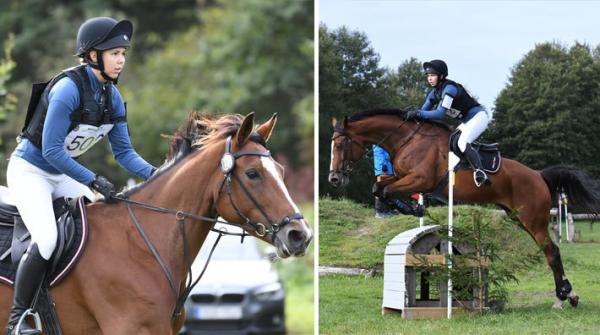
{"x": 296, "y": 237}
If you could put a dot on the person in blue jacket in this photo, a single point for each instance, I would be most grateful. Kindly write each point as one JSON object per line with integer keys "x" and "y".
{"x": 77, "y": 108}
{"x": 383, "y": 169}
{"x": 449, "y": 98}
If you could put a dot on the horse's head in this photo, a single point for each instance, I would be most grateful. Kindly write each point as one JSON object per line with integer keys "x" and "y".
{"x": 344, "y": 151}
{"x": 252, "y": 192}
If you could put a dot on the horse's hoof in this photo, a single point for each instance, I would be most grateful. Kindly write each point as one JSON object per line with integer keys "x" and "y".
{"x": 574, "y": 300}
{"x": 557, "y": 305}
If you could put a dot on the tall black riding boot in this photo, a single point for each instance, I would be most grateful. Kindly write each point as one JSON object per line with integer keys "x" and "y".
{"x": 480, "y": 177}
{"x": 382, "y": 210}
{"x": 405, "y": 207}
{"x": 30, "y": 274}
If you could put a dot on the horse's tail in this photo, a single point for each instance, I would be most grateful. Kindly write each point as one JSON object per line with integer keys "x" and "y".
{"x": 582, "y": 190}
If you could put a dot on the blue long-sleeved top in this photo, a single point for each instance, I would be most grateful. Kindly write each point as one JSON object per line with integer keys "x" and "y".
{"x": 63, "y": 99}
{"x": 381, "y": 161}
{"x": 432, "y": 107}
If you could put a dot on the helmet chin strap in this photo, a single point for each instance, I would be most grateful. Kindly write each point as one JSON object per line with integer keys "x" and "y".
{"x": 99, "y": 65}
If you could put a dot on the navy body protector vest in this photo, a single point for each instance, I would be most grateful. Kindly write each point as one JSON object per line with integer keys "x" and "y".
{"x": 462, "y": 102}
{"x": 89, "y": 112}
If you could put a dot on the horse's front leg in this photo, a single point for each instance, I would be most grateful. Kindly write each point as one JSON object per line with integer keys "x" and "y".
{"x": 409, "y": 183}
{"x": 384, "y": 192}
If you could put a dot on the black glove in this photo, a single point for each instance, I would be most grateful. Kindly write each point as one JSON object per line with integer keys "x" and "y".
{"x": 411, "y": 114}
{"x": 104, "y": 187}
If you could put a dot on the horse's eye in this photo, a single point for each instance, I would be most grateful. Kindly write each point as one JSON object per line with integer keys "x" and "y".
{"x": 252, "y": 174}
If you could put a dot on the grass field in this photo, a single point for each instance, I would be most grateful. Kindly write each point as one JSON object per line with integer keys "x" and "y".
{"x": 352, "y": 304}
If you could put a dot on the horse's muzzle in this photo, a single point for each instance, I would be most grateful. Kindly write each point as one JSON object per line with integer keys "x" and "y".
{"x": 293, "y": 240}
{"x": 337, "y": 179}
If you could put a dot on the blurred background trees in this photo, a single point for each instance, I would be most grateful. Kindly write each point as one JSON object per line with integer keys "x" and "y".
{"x": 547, "y": 114}
{"x": 214, "y": 56}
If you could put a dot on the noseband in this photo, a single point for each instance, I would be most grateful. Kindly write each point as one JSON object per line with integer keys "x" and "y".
{"x": 347, "y": 151}
{"x": 228, "y": 167}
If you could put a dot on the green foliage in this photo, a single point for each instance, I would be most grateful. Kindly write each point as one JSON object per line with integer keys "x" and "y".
{"x": 8, "y": 100}
{"x": 490, "y": 235}
{"x": 247, "y": 56}
{"x": 214, "y": 56}
{"x": 7, "y": 65}
{"x": 356, "y": 238}
{"x": 351, "y": 80}
{"x": 547, "y": 114}
{"x": 352, "y": 304}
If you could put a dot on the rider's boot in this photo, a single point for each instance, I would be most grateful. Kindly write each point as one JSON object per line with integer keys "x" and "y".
{"x": 382, "y": 210}
{"x": 30, "y": 274}
{"x": 480, "y": 177}
{"x": 405, "y": 207}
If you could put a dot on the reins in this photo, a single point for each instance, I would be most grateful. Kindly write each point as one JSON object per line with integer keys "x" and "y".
{"x": 346, "y": 168}
{"x": 227, "y": 167}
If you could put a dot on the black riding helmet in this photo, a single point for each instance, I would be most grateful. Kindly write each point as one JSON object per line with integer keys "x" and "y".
{"x": 436, "y": 66}
{"x": 102, "y": 33}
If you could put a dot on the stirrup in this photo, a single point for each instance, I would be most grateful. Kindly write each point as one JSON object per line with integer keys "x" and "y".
{"x": 485, "y": 180}
{"x": 36, "y": 319}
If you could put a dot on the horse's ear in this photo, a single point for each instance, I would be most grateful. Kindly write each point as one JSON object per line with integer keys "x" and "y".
{"x": 245, "y": 130}
{"x": 265, "y": 129}
{"x": 334, "y": 122}
{"x": 345, "y": 122}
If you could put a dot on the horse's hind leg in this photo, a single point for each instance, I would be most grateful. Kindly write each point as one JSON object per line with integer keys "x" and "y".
{"x": 564, "y": 290}
{"x": 536, "y": 224}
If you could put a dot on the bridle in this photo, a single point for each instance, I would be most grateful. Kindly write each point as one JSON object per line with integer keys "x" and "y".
{"x": 346, "y": 156}
{"x": 227, "y": 166}
{"x": 261, "y": 230}
{"x": 346, "y": 168}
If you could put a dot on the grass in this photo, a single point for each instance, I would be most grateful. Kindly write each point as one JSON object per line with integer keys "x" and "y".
{"x": 352, "y": 304}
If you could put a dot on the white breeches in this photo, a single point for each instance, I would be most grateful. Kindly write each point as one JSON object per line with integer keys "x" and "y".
{"x": 471, "y": 129}
{"x": 32, "y": 190}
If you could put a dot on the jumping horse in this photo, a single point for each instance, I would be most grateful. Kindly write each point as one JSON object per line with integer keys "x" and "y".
{"x": 419, "y": 151}
{"x": 216, "y": 168}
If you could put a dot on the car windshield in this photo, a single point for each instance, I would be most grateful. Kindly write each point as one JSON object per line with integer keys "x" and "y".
{"x": 230, "y": 248}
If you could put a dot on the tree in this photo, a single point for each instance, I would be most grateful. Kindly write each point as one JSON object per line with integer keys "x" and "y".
{"x": 247, "y": 56}
{"x": 8, "y": 101}
{"x": 350, "y": 80}
{"x": 547, "y": 114}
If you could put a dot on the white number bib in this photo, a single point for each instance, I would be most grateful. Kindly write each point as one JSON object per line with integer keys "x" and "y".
{"x": 83, "y": 137}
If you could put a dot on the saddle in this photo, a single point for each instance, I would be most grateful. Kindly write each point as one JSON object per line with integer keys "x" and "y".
{"x": 491, "y": 158}
{"x": 73, "y": 231}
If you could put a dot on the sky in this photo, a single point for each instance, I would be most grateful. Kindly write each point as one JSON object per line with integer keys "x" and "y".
{"x": 481, "y": 41}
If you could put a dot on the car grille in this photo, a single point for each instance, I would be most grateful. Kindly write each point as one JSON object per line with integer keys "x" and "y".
{"x": 228, "y": 298}
{"x": 203, "y": 298}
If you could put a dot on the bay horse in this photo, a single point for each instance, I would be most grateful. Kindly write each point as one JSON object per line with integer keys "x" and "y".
{"x": 419, "y": 155}
{"x": 215, "y": 168}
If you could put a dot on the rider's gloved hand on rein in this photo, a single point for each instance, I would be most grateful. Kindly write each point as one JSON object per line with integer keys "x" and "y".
{"x": 411, "y": 114}
{"x": 104, "y": 187}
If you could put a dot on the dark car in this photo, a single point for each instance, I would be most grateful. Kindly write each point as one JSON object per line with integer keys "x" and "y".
{"x": 240, "y": 292}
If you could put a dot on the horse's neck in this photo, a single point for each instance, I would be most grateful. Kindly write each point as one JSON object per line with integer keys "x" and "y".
{"x": 178, "y": 189}
{"x": 388, "y": 135}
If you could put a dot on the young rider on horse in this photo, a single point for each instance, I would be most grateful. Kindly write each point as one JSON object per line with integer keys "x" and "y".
{"x": 77, "y": 108}
{"x": 450, "y": 98}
